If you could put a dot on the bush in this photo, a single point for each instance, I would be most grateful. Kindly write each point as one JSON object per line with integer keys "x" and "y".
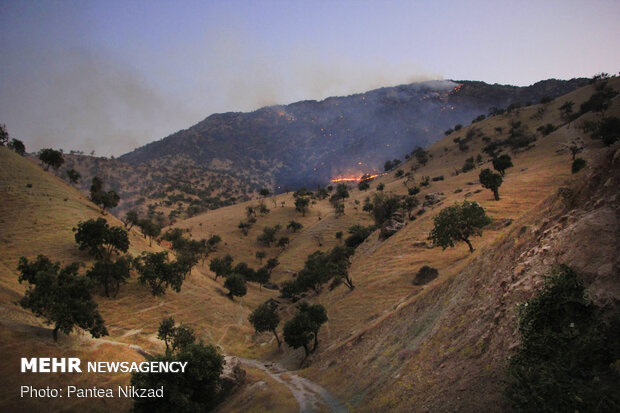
{"x": 468, "y": 165}
{"x": 546, "y": 129}
{"x": 358, "y": 235}
{"x": 568, "y": 355}
{"x": 578, "y": 165}
{"x": 383, "y": 207}
{"x": 425, "y": 274}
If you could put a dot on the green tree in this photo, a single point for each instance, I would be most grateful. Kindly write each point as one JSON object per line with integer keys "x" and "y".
{"x": 18, "y": 146}
{"x": 221, "y": 267}
{"x": 73, "y": 175}
{"x": 457, "y": 223}
{"x": 268, "y": 236}
{"x": 105, "y": 200}
{"x": 384, "y": 206}
{"x": 301, "y": 205}
{"x": 197, "y": 389}
{"x": 294, "y": 226}
{"x": 501, "y": 163}
{"x": 4, "y": 135}
{"x": 569, "y": 352}
{"x": 299, "y": 331}
{"x": 131, "y": 218}
{"x": 61, "y": 296}
{"x": 491, "y": 180}
{"x": 264, "y": 192}
{"x": 358, "y": 235}
{"x": 380, "y": 187}
{"x": 468, "y": 165}
{"x": 235, "y": 284}
{"x": 342, "y": 192}
{"x": 149, "y": 229}
{"x": 578, "y": 165}
{"x": 266, "y": 318}
{"x": 110, "y": 274}
{"x": 175, "y": 337}
{"x": 283, "y": 242}
{"x": 363, "y": 185}
{"x": 566, "y": 110}
{"x": 51, "y": 157}
{"x": 159, "y": 273}
{"x": 260, "y": 255}
{"x": 388, "y": 166}
{"x": 271, "y": 264}
{"x": 101, "y": 240}
{"x": 339, "y": 236}
{"x": 409, "y": 203}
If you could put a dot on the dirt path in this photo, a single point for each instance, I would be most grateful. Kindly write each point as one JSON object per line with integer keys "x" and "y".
{"x": 310, "y": 396}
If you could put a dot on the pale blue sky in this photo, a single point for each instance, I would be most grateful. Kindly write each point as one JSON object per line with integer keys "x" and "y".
{"x": 110, "y": 76}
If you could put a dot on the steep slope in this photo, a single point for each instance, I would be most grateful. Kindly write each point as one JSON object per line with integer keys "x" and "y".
{"x": 442, "y": 346}
{"x": 37, "y": 214}
{"x": 309, "y": 142}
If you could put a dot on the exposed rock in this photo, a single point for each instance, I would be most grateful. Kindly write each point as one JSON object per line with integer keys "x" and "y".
{"x": 392, "y": 226}
{"x": 232, "y": 374}
{"x": 433, "y": 198}
{"x": 458, "y": 190}
{"x": 423, "y": 244}
{"x": 468, "y": 194}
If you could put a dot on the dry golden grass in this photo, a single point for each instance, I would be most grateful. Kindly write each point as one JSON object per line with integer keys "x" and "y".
{"x": 383, "y": 340}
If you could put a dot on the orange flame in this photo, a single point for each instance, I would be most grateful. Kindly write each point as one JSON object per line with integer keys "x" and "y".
{"x": 353, "y": 179}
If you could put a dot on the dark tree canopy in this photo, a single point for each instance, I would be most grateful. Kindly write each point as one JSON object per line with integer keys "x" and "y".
{"x": 18, "y": 146}
{"x": 363, "y": 185}
{"x": 175, "y": 337}
{"x": 264, "y": 192}
{"x": 221, "y": 267}
{"x": 60, "y": 295}
{"x": 301, "y": 205}
{"x": 294, "y": 226}
{"x": 110, "y": 274}
{"x": 198, "y": 389}
{"x": 491, "y": 180}
{"x": 501, "y": 163}
{"x": 384, "y": 206}
{"x": 4, "y": 135}
{"x": 569, "y": 351}
{"x": 305, "y": 326}
{"x": 73, "y": 175}
{"x": 100, "y": 239}
{"x": 159, "y": 273}
{"x": 457, "y": 223}
{"x": 105, "y": 200}
{"x": 51, "y": 157}
{"x": 266, "y": 318}
{"x": 235, "y": 284}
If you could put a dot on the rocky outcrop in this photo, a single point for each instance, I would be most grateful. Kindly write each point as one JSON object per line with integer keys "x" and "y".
{"x": 392, "y": 226}
{"x": 232, "y": 375}
{"x": 433, "y": 198}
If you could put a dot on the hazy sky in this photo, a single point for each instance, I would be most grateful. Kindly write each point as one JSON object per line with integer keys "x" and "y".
{"x": 111, "y": 76}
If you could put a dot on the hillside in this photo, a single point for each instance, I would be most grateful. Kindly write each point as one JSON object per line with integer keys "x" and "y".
{"x": 310, "y": 142}
{"x": 37, "y": 214}
{"x": 442, "y": 346}
{"x": 389, "y": 344}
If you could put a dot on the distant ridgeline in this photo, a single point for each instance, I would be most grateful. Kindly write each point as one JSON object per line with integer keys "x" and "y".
{"x": 309, "y": 142}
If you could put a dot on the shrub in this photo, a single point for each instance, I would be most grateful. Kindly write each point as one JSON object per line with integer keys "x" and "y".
{"x": 578, "y": 165}
{"x": 568, "y": 356}
{"x": 425, "y": 274}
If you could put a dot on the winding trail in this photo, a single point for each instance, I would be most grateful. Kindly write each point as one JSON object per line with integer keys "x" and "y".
{"x": 308, "y": 394}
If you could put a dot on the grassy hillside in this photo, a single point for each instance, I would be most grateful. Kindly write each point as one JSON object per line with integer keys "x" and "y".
{"x": 37, "y": 215}
{"x": 388, "y": 344}
{"x": 387, "y": 322}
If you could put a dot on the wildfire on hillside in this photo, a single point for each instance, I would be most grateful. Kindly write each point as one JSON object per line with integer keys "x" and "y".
{"x": 364, "y": 177}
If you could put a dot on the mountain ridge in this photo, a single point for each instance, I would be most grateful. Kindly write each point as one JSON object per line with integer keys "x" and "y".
{"x": 307, "y": 140}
